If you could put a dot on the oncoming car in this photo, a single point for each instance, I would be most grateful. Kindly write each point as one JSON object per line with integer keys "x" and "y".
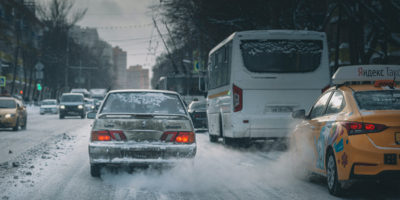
{"x": 140, "y": 128}
{"x": 352, "y": 132}
{"x": 12, "y": 114}
{"x": 49, "y": 106}
{"x": 72, "y": 104}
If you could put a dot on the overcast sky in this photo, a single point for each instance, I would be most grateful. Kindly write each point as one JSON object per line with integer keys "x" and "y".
{"x": 116, "y": 21}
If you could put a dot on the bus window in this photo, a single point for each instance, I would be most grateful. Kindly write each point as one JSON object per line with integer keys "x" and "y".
{"x": 281, "y": 56}
{"x": 222, "y": 67}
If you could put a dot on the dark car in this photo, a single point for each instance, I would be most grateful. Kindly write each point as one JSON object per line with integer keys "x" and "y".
{"x": 198, "y": 112}
{"x": 72, "y": 104}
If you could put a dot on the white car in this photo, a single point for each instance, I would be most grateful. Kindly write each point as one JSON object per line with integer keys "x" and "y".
{"x": 140, "y": 127}
{"x": 49, "y": 106}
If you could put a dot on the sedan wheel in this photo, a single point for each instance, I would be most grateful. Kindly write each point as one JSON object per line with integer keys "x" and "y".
{"x": 95, "y": 170}
{"x": 334, "y": 186}
{"x": 15, "y": 128}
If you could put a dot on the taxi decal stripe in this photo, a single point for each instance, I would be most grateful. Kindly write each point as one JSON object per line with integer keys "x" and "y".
{"x": 218, "y": 94}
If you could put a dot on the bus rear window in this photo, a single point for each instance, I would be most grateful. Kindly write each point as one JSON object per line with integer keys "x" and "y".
{"x": 378, "y": 100}
{"x": 281, "y": 56}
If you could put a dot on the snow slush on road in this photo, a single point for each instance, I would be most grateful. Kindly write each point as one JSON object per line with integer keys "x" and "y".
{"x": 140, "y": 128}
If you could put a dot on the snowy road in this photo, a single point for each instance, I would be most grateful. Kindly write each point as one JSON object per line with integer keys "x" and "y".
{"x": 54, "y": 164}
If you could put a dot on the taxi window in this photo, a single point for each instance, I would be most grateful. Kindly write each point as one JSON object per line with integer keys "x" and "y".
{"x": 336, "y": 104}
{"x": 318, "y": 107}
{"x": 378, "y": 100}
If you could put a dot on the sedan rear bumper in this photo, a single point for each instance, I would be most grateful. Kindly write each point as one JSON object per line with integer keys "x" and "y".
{"x": 106, "y": 154}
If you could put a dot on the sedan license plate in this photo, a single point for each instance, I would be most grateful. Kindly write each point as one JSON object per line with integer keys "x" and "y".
{"x": 281, "y": 109}
{"x": 143, "y": 154}
{"x": 397, "y": 138}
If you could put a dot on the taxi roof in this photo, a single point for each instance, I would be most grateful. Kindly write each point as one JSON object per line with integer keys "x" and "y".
{"x": 365, "y": 73}
{"x": 365, "y": 87}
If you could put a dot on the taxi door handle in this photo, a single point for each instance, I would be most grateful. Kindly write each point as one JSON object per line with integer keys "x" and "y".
{"x": 312, "y": 127}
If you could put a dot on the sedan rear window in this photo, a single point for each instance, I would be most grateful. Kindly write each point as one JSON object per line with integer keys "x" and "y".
{"x": 143, "y": 103}
{"x": 7, "y": 104}
{"x": 378, "y": 100}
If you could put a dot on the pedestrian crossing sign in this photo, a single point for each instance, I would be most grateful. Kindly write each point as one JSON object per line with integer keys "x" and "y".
{"x": 2, "y": 81}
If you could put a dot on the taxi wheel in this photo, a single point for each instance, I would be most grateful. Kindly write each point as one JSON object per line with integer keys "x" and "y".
{"x": 298, "y": 171}
{"x": 95, "y": 170}
{"x": 61, "y": 116}
{"x": 83, "y": 116}
{"x": 334, "y": 186}
{"x": 15, "y": 128}
{"x": 24, "y": 126}
{"x": 213, "y": 138}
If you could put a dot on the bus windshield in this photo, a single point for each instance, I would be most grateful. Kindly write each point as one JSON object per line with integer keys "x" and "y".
{"x": 281, "y": 56}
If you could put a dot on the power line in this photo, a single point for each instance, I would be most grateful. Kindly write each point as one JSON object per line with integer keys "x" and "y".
{"x": 123, "y": 27}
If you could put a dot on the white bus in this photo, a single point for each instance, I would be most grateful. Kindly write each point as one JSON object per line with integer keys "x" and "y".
{"x": 187, "y": 87}
{"x": 257, "y": 78}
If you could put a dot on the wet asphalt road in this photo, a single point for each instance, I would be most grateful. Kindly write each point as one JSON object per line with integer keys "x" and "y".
{"x": 55, "y": 153}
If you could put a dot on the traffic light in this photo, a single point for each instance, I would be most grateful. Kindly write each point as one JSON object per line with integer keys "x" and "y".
{"x": 21, "y": 92}
{"x": 39, "y": 87}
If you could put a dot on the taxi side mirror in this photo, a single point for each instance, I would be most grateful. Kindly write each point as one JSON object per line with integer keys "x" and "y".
{"x": 299, "y": 114}
{"x": 20, "y": 108}
{"x": 91, "y": 115}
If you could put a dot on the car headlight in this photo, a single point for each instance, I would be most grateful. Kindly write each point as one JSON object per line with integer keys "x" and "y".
{"x": 9, "y": 115}
{"x": 62, "y": 107}
{"x": 80, "y": 106}
{"x": 92, "y": 107}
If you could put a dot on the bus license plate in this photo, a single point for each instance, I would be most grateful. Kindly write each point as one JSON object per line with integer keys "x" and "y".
{"x": 143, "y": 154}
{"x": 281, "y": 109}
{"x": 398, "y": 138}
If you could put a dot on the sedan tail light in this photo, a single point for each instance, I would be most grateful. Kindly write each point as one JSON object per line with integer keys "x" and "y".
{"x": 354, "y": 128}
{"x": 180, "y": 137}
{"x": 105, "y": 135}
{"x": 101, "y": 136}
{"x": 185, "y": 137}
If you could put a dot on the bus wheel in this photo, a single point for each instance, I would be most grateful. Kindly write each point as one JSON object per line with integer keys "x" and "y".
{"x": 213, "y": 138}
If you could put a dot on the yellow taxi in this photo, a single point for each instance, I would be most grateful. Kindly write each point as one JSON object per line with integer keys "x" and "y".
{"x": 352, "y": 132}
{"x": 12, "y": 114}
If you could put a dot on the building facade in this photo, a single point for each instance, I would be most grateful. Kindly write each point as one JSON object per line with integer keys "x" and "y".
{"x": 137, "y": 77}
{"x": 120, "y": 71}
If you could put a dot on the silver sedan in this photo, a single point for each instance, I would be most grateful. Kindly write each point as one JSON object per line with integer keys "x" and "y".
{"x": 140, "y": 127}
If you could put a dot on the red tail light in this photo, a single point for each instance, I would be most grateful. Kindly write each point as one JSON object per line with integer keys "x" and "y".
{"x": 325, "y": 88}
{"x": 185, "y": 137}
{"x": 237, "y": 98}
{"x": 101, "y": 136}
{"x": 180, "y": 137}
{"x": 168, "y": 136}
{"x": 117, "y": 135}
{"x": 104, "y": 135}
{"x": 354, "y": 128}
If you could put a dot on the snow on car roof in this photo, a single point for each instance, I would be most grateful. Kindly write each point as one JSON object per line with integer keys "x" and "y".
{"x": 365, "y": 73}
{"x": 138, "y": 90}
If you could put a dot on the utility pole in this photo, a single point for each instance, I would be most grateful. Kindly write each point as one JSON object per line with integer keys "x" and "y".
{"x": 66, "y": 69}
{"x": 80, "y": 72}
{"x": 170, "y": 56}
{"x": 176, "y": 49}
